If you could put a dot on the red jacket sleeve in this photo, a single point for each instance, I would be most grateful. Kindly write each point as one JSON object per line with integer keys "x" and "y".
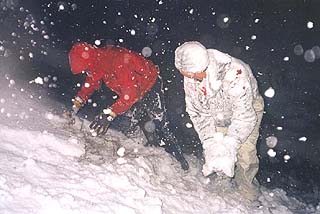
{"x": 88, "y": 88}
{"x": 127, "y": 98}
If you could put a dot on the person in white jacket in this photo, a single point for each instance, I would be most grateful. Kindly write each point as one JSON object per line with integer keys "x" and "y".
{"x": 226, "y": 109}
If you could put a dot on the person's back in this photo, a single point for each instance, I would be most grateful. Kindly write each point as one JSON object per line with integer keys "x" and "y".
{"x": 131, "y": 77}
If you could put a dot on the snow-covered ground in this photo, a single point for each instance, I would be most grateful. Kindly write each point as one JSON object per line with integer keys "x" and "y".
{"x": 48, "y": 166}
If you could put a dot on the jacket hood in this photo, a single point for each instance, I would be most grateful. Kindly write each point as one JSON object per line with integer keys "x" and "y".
{"x": 191, "y": 57}
{"x": 81, "y": 57}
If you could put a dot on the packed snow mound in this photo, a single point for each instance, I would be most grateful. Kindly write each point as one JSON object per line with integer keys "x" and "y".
{"x": 49, "y": 166}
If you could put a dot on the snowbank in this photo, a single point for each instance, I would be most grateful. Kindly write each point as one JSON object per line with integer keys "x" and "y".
{"x": 50, "y": 167}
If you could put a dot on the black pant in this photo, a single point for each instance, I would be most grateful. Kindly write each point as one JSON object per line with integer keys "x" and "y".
{"x": 150, "y": 114}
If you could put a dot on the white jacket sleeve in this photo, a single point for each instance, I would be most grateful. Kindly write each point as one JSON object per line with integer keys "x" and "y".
{"x": 244, "y": 117}
{"x": 203, "y": 124}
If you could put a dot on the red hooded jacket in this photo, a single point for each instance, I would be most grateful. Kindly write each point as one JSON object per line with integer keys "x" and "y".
{"x": 125, "y": 72}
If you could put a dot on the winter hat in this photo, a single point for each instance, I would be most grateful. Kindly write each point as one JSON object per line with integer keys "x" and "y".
{"x": 81, "y": 57}
{"x": 191, "y": 57}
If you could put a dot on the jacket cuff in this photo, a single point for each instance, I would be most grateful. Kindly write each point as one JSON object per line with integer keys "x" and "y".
{"x": 109, "y": 112}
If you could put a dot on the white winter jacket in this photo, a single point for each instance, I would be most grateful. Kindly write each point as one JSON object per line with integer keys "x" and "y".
{"x": 223, "y": 99}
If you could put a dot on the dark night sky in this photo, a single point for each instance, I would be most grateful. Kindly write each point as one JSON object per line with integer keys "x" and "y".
{"x": 279, "y": 26}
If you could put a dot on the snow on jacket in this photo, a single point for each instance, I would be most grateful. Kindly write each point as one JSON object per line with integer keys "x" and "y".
{"x": 223, "y": 99}
{"x": 125, "y": 72}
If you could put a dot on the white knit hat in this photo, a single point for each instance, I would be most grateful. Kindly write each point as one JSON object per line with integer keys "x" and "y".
{"x": 191, "y": 57}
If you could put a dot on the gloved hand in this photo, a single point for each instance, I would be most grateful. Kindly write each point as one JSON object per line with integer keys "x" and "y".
{"x": 102, "y": 122}
{"x": 220, "y": 155}
{"x": 232, "y": 146}
{"x": 77, "y": 104}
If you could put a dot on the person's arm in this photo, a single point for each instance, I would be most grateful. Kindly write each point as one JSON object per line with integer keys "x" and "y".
{"x": 204, "y": 124}
{"x": 244, "y": 117}
{"x": 90, "y": 85}
{"x": 129, "y": 95}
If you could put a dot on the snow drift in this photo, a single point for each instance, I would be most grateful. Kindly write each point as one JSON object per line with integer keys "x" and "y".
{"x": 48, "y": 167}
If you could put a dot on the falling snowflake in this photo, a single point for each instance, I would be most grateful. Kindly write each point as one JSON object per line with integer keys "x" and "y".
{"x": 270, "y": 92}
{"x": 271, "y": 153}
{"x": 303, "y": 139}
{"x": 310, "y": 25}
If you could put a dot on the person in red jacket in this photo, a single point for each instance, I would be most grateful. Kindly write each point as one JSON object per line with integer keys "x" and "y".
{"x": 135, "y": 80}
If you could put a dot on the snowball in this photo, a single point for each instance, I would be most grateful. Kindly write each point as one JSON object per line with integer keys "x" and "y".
{"x": 269, "y": 92}
{"x": 309, "y": 56}
{"x": 310, "y": 24}
{"x": 189, "y": 125}
{"x": 271, "y": 153}
{"x": 271, "y": 141}
{"x": 303, "y": 139}
{"x": 146, "y": 51}
{"x": 298, "y": 50}
{"x": 121, "y": 151}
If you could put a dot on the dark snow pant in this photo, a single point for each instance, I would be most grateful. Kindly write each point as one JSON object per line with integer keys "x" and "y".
{"x": 150, "y": 114}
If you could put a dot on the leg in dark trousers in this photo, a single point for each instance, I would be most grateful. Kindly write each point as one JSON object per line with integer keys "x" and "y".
{"x": 151, "y": 113}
